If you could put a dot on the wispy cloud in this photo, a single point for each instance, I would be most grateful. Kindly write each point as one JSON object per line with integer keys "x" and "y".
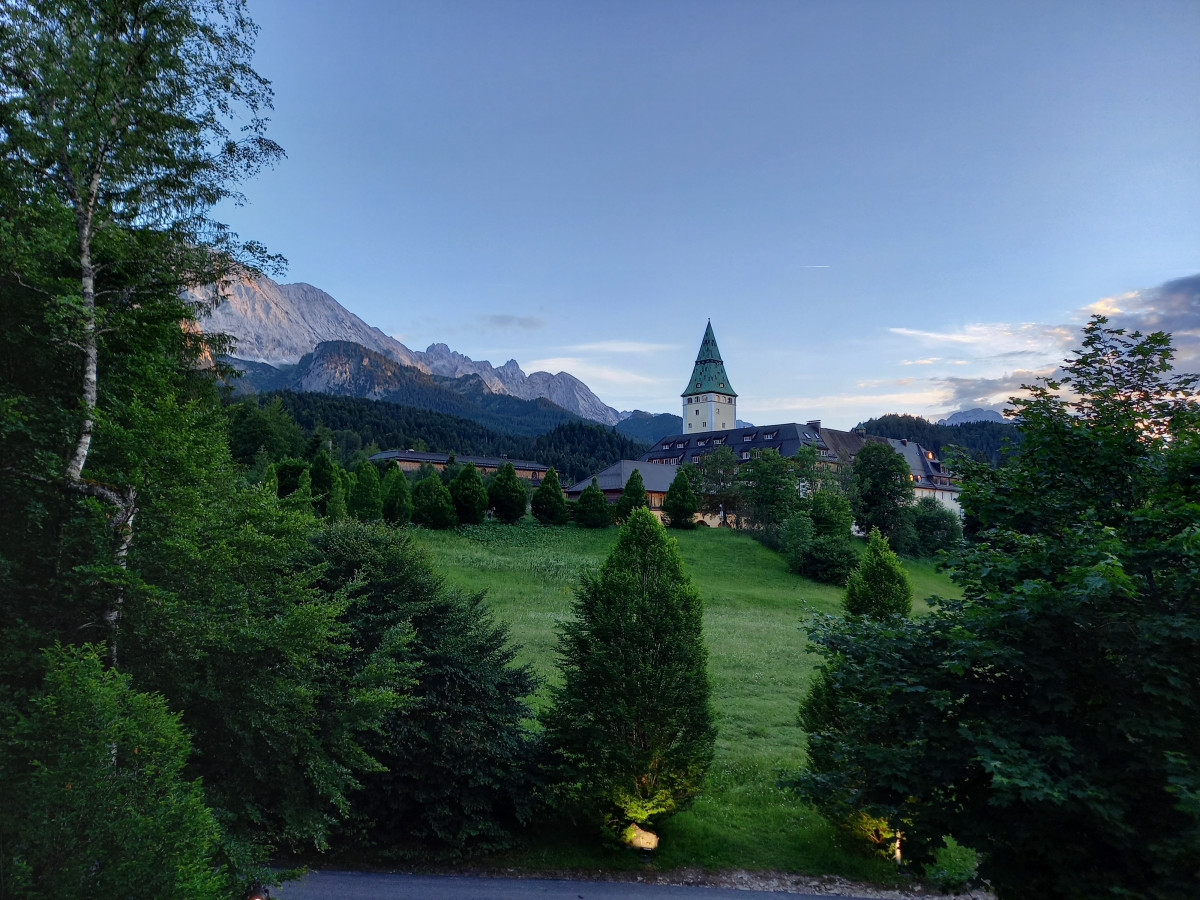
{"x": 621, "y": 347}
{"x": 589, "y": 371}
{"x": 927, "y": 361}
{"x": 525, "y": 323}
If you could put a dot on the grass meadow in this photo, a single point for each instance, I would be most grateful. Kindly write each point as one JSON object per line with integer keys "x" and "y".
{"x": 758, "y": 665}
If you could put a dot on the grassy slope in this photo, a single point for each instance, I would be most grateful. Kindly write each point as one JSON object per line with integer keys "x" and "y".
{"x": 757, "y": 662}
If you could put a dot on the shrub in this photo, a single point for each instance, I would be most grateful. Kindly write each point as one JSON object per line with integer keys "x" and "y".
{"x": 632, "y": 497}
{"x": 397, "y": 497}
{"x": 681, "y": 503}
{"x": 937, "y": 527}
{"x": 879, "y": 586}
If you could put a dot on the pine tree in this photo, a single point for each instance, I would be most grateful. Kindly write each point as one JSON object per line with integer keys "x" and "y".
{"x": 681, "y": 503}
{"x": 365, "y": 502}
{"x": 631, "y": 724}
{"x": 593, "y": 508}
{"x": 548, "y": 505}
{"x": 323, "y": 479}
{"x": 879, "y": 586}
{"x": 433, "y": 506}
{"x": 397, "y": 497}
{"x": 633, "y": 497}
{"x": 470, "y": 498}
{"x": 507, "y": 495}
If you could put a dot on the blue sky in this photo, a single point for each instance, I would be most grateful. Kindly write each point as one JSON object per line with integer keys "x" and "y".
{"x": 882, "y": 206}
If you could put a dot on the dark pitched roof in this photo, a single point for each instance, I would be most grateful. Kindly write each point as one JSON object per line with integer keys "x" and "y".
{"x": 787, "y": 438}
{"x": 655, "y": 478}
{"x": 708, "y": 375}
{"x": 492, "y": 462}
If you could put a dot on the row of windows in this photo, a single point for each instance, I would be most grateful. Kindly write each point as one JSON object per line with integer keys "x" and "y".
{"x": 709, "y": 399}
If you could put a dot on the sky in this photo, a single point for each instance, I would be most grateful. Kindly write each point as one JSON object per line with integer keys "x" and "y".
{"x": 896, "y": 206}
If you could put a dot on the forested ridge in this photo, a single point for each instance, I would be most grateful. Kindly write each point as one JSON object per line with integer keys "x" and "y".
{"x": 575, "y": 448}
{"x": 980, "y": 440}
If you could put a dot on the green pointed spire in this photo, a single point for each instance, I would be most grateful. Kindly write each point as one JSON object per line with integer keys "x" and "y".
{"x": 708, "y": 375}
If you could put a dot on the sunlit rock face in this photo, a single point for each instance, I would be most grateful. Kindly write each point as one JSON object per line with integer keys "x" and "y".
{"x": 278, "y": 324}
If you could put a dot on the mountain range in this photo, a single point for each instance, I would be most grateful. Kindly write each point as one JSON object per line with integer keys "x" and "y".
{"x": 276, "y": 325}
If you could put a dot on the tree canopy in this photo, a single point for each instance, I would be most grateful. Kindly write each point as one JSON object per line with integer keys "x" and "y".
{"x": 1049, "y": 719}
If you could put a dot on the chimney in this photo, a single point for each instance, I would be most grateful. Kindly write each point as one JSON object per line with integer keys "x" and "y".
{"x": 904, "y": 442}
{"x": 814, "y": 424}
{"x": 861, "y": 432}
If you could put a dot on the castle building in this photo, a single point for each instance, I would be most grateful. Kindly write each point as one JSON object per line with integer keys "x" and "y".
{"x": 709, "y": 400}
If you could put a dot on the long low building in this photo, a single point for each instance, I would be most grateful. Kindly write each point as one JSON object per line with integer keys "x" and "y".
{"x": 611, "y": 481}
{"x": 410, "y": 460}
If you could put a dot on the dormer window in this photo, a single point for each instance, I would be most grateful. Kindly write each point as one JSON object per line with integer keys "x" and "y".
{"x": 679, "y": 445}
{"x": 667, "y": 445}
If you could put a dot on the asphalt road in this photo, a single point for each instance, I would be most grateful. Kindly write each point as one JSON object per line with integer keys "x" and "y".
{"x": 334, "y": 885}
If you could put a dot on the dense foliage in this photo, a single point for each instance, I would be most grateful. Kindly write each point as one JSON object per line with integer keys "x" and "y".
{"x": 507, "y": 495}
{"x": 631, "y": 726}
{"x": 548, "y": 504}
{"x": 633, "y": 496}
{"x": 981, "y": 441}
{"x": 1050, "y": 719}
{"x": 681, "y": 503}
{"x": 458, "y": 760}
{"x": 878, "y": 586}
{"x": 592, "y": 511}
{"x": 576, "y": 449}
{"x": 95, "y": 799}
{"x": 881, "y": 493}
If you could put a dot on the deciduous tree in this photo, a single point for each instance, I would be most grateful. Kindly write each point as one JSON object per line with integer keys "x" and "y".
{"x": 1049, "y": 718}
{"x": 881, "y": 493}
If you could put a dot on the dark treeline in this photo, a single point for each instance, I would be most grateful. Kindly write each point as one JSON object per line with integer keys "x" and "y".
{"x": 980, "y": 440}
{"x": 575, "y": 449}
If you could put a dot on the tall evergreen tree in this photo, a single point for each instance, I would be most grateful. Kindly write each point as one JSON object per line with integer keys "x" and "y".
{"x": 549, "y": 506}
{"x": 433, "y": 506}
{"x": 365, "y": 502}
{"x": 507, "y": 494}
{"x": 632, "y": 497}
{"x": 469, "y": 496}
{"x": 681, "y": 503}
{"x": 879, "y": 586}
{"x": 631, "y": 724}
{"x": 397, "y": 497}
{"x": 593, "y": 508}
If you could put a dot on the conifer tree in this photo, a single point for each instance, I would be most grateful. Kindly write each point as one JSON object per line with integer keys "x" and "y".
{"x": 365, "y": 502}
{"x": 681, "y": 503}
{"x": 880, "y": 586}
{"x": 507, "y": 495}
{"x": 631, "y": 725}
{"x": 397, "y": 497}
{"x": 548, "y": 505}
{"x": 323, "y": 480}
{"x": 433, "y": 506}
{"x": 633, "y": 497}
{"x": 593, "y": 508}
{"x": 469, "y": 496}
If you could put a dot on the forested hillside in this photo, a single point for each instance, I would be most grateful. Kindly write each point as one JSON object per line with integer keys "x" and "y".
{"x": 576, "y": 449}
{"x": 981, "y": 440}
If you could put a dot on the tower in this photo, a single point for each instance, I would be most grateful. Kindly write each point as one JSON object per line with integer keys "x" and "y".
{"x": 709, "y": 402}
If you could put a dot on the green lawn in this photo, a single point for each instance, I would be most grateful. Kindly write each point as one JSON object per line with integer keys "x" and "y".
{"x": 758, "y": 665}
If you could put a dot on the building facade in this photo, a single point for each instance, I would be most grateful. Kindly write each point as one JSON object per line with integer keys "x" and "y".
{"x": 709, "y": 400}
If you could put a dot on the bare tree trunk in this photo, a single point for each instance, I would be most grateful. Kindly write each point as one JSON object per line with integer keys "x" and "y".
{"x": 83, "y": 441}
